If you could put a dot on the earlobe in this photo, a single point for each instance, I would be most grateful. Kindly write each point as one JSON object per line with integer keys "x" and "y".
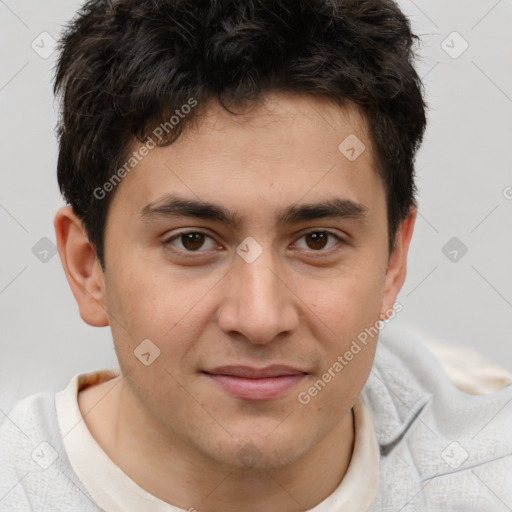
{"x": 82, "y": 267}
{"x": 397, "y": 265}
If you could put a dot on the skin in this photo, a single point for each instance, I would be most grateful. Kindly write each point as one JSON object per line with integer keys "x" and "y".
{"x": 167, "y": 425}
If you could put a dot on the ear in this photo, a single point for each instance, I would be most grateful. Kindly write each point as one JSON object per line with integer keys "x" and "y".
{"x": 82, "y": 267}
{"x": 397, "y": 264}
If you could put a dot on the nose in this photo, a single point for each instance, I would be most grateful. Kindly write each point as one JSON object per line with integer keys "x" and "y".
{"x": 257, "y": 301}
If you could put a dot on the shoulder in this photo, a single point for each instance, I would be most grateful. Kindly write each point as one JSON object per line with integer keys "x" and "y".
{"x": 439, "y": 444}
{"x": 21, "y": 436}
{"x": 35, "y": 473}
{"x": 24, "y": 424}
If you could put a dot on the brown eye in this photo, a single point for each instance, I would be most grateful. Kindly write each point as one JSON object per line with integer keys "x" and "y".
{"x": 192, "y": 241}
{"x": 318, "y": 241}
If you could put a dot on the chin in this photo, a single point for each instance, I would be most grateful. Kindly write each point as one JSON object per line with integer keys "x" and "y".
{"x": 260, "y": 452}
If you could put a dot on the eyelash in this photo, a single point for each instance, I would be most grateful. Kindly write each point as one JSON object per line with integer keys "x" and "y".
{"x": 168, "y": 241}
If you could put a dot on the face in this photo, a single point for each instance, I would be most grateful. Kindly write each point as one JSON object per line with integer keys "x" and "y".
{"x": 286, "y": 267}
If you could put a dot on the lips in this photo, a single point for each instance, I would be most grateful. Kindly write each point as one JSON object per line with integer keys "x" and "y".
{"x": 248, "y": 372}
{"x": 247, "y": 383}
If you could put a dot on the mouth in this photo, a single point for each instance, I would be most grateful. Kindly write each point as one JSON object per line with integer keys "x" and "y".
{"x": 250, "y": 383}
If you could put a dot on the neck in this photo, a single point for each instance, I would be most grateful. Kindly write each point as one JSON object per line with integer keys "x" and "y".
{"x": 177, "y": 473}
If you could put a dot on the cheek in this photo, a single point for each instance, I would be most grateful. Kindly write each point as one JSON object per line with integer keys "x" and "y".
{"x": 144, "y": 293}
{"x": 165, "y": 307}
{"x": 340, "y": 381}
{"x": 349, "y": 301}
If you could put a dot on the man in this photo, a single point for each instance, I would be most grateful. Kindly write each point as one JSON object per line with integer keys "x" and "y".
{"x": 241, "y": 199}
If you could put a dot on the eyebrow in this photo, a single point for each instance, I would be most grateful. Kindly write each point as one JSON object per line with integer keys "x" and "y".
{"x": 175, "y": 206}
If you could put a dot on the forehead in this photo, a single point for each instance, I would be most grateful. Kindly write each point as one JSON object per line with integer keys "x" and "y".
{"x": 287, "y": 147}
{"x": 285, "y": 123}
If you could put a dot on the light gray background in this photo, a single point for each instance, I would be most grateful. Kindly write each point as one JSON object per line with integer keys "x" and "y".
{"x": 464, "y": 171}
